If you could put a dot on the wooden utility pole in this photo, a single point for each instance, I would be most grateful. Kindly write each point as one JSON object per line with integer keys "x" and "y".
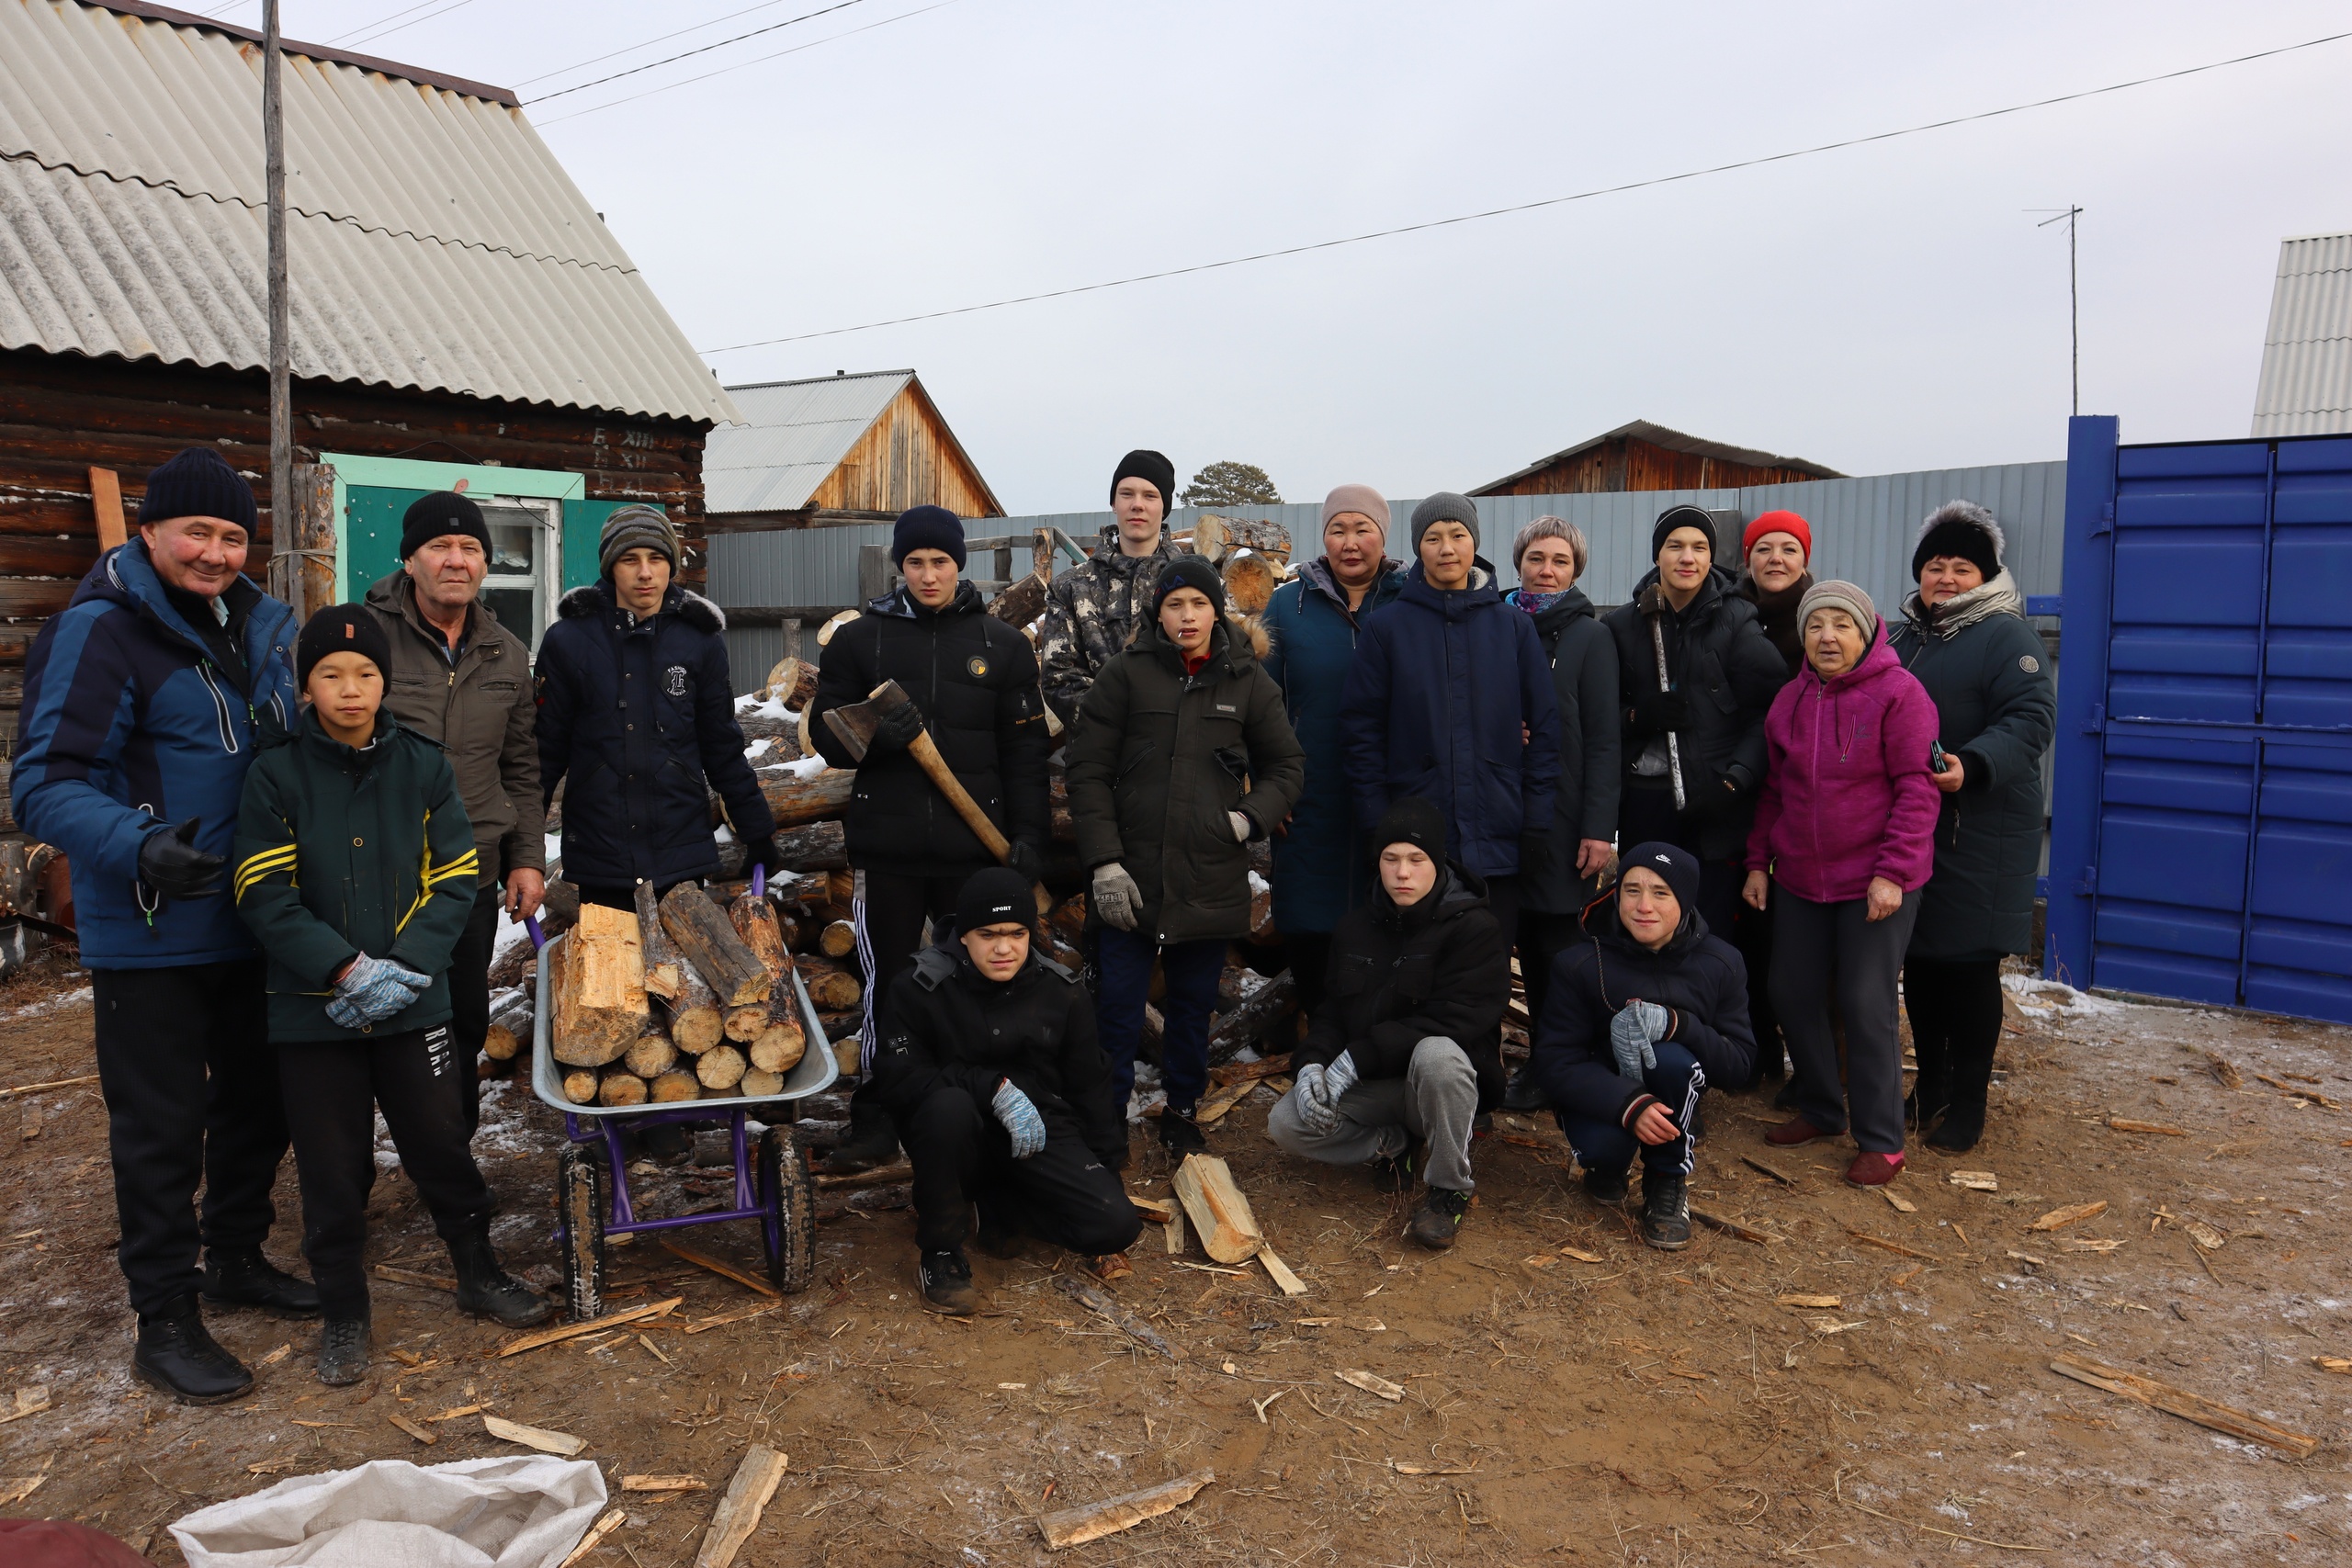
{"x": 285, "y": 532}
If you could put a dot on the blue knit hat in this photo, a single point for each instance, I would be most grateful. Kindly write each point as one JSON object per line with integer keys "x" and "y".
{"x": 197, "y": 483}
{"x": 927, "y": 528}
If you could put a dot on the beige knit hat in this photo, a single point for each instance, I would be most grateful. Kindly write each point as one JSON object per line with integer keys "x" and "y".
{"x": 1836, "y": 595}
{"x": 1357, "y": 497}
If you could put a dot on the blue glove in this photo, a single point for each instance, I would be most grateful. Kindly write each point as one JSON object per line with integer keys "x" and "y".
{"x": 1020, "y": 1117}
{"x": 1317, "y": 1111}
{"x": 373, "y": 989}
{"x": 1636, "y": 1028}
{"x": 1338, "y": 1079}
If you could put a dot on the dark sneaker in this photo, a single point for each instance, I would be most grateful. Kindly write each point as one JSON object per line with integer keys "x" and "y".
{"x": 1524, "y": 1093}
{"x": 1439, "y": 1217}
{"x": 1180, "y": 1134}
{"x": 1666, "y": 1211}
{"x": 174, "y": 1353}
{"x": 1607, "y": 1188}
{"x": 873, "y": 1141}
{"x": 1394, "y": 1173}
{"x": 488, "y": 1290}
{"x": 1961, "y": 1130}
{"x": 343, "y": 1351}
{"x": 947, "y": 1283}
{"x": 240, "y": 1276}
{"x": 1874, "y": 1170}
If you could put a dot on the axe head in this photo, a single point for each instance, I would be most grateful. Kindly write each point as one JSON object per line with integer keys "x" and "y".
{"x": 853, "y": 723}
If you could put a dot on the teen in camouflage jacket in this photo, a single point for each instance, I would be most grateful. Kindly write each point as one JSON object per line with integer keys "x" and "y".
{"x": 1090, "y": 615}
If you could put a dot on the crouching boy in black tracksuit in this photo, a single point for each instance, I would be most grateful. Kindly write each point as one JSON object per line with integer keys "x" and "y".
{"x": 1408, "y": 1040}
{"x": 1643, "y": 1012}
{"x": 1002, "y": 1095}
{"x": 355, "y": 870}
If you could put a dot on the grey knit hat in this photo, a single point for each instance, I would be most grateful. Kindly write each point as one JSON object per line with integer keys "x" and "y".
{"x": 635, "y": 527}
{"x": 1836, "y": 595}
{"x": 1445, "y": 506}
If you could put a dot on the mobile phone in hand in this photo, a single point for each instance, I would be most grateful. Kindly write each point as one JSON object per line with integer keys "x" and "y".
{"x": 1936, "y": 756}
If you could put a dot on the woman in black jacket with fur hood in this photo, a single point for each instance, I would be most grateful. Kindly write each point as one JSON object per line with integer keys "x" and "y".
{"x": 1643, "y": 1013}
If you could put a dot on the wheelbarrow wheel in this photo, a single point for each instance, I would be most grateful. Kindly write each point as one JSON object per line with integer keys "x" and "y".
{"x": 582, "y": 1200}
{"x": 789, "y": 1227}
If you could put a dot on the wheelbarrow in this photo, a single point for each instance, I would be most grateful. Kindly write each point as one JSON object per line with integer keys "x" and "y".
{"x": 771, "y": 1184}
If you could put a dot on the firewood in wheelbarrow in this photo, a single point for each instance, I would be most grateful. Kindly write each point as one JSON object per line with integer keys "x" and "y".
{"x": 838, "y": 939}
{"x": 510, "y": 1026}
{"x": 678, "y": 1083}
{"x": 784, "y": 1042}
{"x": 653, "y": 1055}
{"x": 760, "y": 1084}
{"x": 721, "y": 1068}
{"x": 600, "y": 1005}
{"x": 747, "y": 1023}
{"x": 580, "y": 1085}
{"x": 703, "y": 933}
{"x": 831, "y": 988}
{"x": 618, "y": 1086}
{"x": 754, "y": 920}
{"x": 692, "y": 1012}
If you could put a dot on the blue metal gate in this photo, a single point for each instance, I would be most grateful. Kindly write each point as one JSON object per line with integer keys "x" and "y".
{"x": 2201, "y": 842}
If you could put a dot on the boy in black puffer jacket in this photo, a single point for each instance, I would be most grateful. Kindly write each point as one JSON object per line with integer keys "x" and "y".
{"x": 355, "y": 870}
{"x": 991, "y": 1069}
{"x": 1408, "y": 1040}
{"x": 1642, "y": 1014}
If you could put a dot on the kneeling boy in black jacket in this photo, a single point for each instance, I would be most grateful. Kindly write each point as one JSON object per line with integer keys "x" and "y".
{"x": 1001, "y": 1094}
{"x": 1408, "y": 1040}
{"x": 1643, "y": 1012}
{"x": 355, "y": 870}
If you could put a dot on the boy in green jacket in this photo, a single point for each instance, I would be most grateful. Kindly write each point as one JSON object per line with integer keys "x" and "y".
{"x": 355, "y": 870}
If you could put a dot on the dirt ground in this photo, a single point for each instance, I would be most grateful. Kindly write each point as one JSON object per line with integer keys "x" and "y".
{"x": 1644, "y": 1408}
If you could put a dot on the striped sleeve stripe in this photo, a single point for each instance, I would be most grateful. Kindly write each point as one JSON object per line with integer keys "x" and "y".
{"x": 266, "y": 863}
{"x": 467, "y": 864}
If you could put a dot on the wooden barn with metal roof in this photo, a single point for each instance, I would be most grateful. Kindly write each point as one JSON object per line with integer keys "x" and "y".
{"x": 1641, "y": 455}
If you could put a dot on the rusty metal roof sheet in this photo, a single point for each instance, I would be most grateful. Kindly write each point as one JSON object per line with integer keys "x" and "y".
{"x": 2306, "y": 384}
{"x": 433, "y": 240}
{"x": 794, "y": 435}
{"x": 1671, "y": 441}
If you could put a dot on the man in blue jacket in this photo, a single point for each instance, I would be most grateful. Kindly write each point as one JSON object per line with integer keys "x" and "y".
{"x": 143, "y": 702}
{"x": 1451, "y": 699}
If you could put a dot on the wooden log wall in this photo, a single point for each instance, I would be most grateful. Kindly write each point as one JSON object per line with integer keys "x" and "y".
{"x": 1627, "y": 464}
{"x": 61, "y": 415}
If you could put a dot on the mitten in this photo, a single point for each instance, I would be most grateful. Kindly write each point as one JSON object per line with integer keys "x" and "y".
{"x": 1020, "y": 1117}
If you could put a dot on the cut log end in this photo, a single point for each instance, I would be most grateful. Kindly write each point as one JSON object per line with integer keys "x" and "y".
{"x": 721, "y": 1067}
{"x": 579, "y": 1087}
{"x": 620, "y": 1089}
{"x": 675, "y": 1085}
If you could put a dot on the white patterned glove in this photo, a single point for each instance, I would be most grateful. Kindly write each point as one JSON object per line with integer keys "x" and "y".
{"x": 1019, "y": 1114}
{"x": 1315, "y": 1113}
{"x": 373, "y": 989}
{"x": 1117, "y": 897}
{"x": 1636, "y": 1028}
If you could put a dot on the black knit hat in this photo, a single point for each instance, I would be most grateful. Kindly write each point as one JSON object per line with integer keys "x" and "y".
{"x": 927, "y": 528}
{"x": 635, "y": 527}
{"x": 1677, "y": 866}
{"x": 1144, "y": 464}
{"x": 1445, "y": 506}
{"x": 1960, "y": 528}
{"x": 998, "y": 896}
{"x": 1189, "y": 572}
{"x": 1675, "y": 517}
{"x": 198, "y": 483}
{"x": 341, "y": 628}
{"x": 444, "y": 512}
{"x": 1411, "y": 820}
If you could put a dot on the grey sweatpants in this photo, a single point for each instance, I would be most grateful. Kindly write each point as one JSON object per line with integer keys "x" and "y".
{"x": 1379, "y": 1118}
{"x": 1816, "y": 946}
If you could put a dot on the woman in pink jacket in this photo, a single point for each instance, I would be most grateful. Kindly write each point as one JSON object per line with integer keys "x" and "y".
{"x": 1844, "y": 826}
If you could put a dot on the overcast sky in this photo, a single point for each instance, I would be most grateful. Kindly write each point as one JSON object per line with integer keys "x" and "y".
{"x": 1880, "y": 309}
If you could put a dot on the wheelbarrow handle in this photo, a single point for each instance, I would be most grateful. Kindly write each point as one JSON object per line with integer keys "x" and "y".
{"x": 759, "y": 881}
{"x": 531, "y": 927}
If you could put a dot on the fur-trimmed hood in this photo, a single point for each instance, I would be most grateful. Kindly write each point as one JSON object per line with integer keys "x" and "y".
{"x": 689, "y": 606}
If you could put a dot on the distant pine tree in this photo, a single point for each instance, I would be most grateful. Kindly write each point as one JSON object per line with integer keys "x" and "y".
{"x": 1231, "y": 484}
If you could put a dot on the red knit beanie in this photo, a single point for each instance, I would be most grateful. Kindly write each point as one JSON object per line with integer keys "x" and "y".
{"x": 1778, "y": 522}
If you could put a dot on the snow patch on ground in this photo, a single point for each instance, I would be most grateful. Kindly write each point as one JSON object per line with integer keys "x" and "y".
{"x": 1258, "y": 885}
{"x": 2035, "y": 995}
{"x": 805, "y": 768}
{"x": 50, "y": 1004}
{"x": 753, "y": 705}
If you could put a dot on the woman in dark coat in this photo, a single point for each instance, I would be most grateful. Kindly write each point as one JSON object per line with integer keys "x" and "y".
{"x": 1965, "y": 637}
{"x": 1312, "y": 624}
{"x": 1451, "y": 700}
{"x": 1181, "y": 756}
{"x": 1560, "y": 869}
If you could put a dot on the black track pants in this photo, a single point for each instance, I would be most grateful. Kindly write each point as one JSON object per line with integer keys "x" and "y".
{"x": 1063, "y": 1193}
{"x": 191, "y": 1091}
{"x": 470, "y": 997}
{"x": 889, "y": 909}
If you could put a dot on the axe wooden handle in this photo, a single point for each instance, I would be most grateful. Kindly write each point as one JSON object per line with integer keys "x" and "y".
{"x": 926, "y": 756}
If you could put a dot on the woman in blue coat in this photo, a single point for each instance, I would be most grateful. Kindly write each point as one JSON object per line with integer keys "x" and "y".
{"x": 1451, "y": 699}
{"x": 1321, "y": 869}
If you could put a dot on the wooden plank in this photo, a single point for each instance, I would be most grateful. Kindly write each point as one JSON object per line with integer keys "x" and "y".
{"x": 600, "y": 1003}
{"x": 548, "y": 1442}
{"x": 2227, "y": 1418}
{"x": 1370, "y": 1382}
{"x": 1292, "y": 1285}
{"x": 755, "y": 1481}
{"x": 723, "y": 1269}
{"x": 106, "y": 499}
{"x": 1075, "y": 1526}
{"x": 537, "y": 1337}
{"x": 595, "y": 1538}
{"x": 2057, "y": 1219}
{"x": 1095, "y": 1299}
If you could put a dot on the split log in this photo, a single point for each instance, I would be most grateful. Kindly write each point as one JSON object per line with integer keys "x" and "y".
{"x": 1255, "y": 1021}
{"x": 580, "y": 1085}
{"x": 653, "y": 1055}
{"x": 739, "y": 1511}
{"x": 720, "y": 1067}
{"x": 710, "y": 945}
{"x": 1250, "y": 581}
{"x": 830, "y": 986}
{"x": 619, "y": 1088}
{"x": 777, "y": 1044}
{"x": 838, "y": 939}
{"x": 760, "y": 1084}
{"x": 754, "y": 922}
{"x": 693, "y": 1013}
{"x": 510, "y": 1026}
{"x": 600, "y": 1005}
{"x": 792, "y": 682}
{"x": 2243, "y": 1425}
{"x": 678, "y": 1083}
{"x": 783, "y": 1043}
{"x": 1022, "y": 603}
{"x": 799, "y": 797}
{"x": 1219, "y": 1212}
{"x": 1076, "y": 1526}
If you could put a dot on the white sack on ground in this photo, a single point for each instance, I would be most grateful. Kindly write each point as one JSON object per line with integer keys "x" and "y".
{"x": 476, "y": 1513}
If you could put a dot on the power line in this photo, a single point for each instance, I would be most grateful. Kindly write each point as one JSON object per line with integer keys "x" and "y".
{"x": 705, "y": 49}
{"x": 644, "y": 43}
{"x": 404, "y": 27}
{"x": 740, "y": 65}
{"x": 1548, "y": 201}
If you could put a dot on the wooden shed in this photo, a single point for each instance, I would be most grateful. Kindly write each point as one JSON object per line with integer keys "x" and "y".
{"x": 461, "y": 315}
{"x": 836, "y": 450}
{"x": 1641, "y": 455}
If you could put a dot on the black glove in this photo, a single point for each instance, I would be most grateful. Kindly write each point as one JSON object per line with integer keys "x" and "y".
{"x": 170, "y": 863}
{"x": 898, "y": 727}
{"x": 1713, "y": 791}
{"x": 1655, "y": 713}
{"x": 763, "y": 853}
{"x": 1027, "y": 859}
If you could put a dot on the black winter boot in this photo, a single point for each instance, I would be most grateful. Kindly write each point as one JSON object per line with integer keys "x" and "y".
{"x": 1606, "y": 1187}
{"x": 240, "y": 1276}
{"x": 1439, "y": 1219}
{"x": 873, "y": 1138}
{"x": 343, "y": 1351}
{"x": 1524, "y": 1093}
{"x": 1930, "y": 1093}
{"x": 1666, "y": 1211}
{"x": 1180, "y": 1134}
{"x": 1394, "y": 1173}
{"x": 175, "y": 1353}
{"x": 487, "y": 1290}
{"x": 947, "y": 1283}
{"x": 1972, "y": 1083}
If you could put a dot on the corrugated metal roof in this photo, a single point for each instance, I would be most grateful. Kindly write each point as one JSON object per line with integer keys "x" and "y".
{"x": 1672, "y": 441}
{"x": 433, "y": 240}
{"x": 2306, "y": 385}
{"x": 793, "y": 435}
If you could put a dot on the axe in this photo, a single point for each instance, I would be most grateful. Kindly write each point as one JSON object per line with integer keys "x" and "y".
{"x": 853, "y": 725}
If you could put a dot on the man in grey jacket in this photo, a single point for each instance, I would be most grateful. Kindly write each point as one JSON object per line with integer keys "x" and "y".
{"x": 461, "y": 678}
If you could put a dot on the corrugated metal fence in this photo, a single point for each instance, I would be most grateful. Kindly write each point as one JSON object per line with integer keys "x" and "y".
{"x": 1862, "y": 531}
